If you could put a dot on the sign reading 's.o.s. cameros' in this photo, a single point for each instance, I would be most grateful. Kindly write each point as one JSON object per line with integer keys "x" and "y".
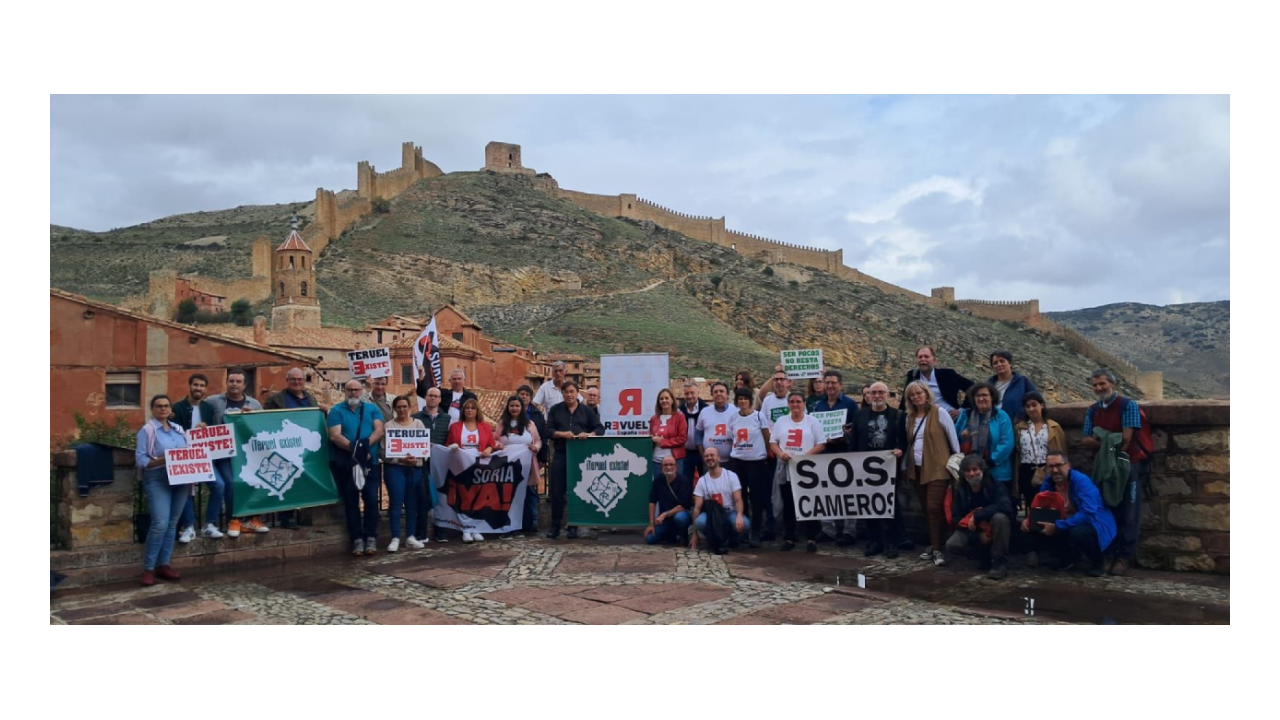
{"x": 843, "y": 486}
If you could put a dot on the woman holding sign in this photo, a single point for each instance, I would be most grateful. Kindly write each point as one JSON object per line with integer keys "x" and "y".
{"x": 472, "y": 433}
{"x": 798, "y": 433}
{"x": 165, "y": 501}
{"x": 933, "y": 442}
{"x": 402, "y": 476}
{"x": 516, "y": 427}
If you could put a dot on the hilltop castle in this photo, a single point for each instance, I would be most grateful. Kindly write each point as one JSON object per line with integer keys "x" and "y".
{"x": 335, "y": 213}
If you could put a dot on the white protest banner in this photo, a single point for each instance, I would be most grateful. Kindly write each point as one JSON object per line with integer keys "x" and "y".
{"x": 219, "y": 441}
{"x": 629, "y": 386}
{"x": 371, "y": 363}
{"x": 802, "y": 364}
{"x": 188, "y": 465}
{"x": 426, "y": 352}
{"x": 408, "y": 442}
{"x": 832, "y": 423}
{"x": 843, "y": 486}
{"x": 480, "y": 494}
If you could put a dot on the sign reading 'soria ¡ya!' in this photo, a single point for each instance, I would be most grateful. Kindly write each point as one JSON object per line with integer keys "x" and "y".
{"x": 479, "y": 494}
{"x": 629, "y": 386}
{"x": 282, "y": 461}
{"x": 371, "y": 363}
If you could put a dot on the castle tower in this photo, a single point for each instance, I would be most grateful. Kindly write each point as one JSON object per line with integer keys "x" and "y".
{"x": 293, "y": 284}
{"x": 504, "y": 158}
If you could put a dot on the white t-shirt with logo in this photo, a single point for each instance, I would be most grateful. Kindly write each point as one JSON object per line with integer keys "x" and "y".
{"x": 720, "y": 489}
{"x": 797, "y": 438}
{"x": 469, "y": 439}
{"x": 661, "y": 429}
{"x": 714, "y": 425}
{"x": 774, "y": 407}
{"x": 748, "y": 441}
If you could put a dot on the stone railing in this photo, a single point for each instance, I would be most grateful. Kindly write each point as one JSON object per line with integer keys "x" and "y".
{"x": 97, "y": 532}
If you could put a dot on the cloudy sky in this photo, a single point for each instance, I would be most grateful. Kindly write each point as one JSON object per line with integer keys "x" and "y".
{"x": 1076, "y": 200}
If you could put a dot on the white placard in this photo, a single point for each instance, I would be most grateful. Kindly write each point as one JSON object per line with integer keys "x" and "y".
{"x": 188, "y": 465}
{"x": 371, "y": 363}
{"x": 629, "y": 386}
{"x": 832, "y": 423}
{"x": 843, "y": 485}
{"x": 802, "y": 364}
{"x": 408, "y": 442}
{"x": 217, "y": 440}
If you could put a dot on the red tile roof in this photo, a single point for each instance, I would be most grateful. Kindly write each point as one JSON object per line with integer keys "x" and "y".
{"x": 294, "y": 242}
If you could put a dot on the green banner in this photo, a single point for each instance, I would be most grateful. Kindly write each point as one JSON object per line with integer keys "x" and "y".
{"x": 609, "y": 480}
{"x": 281, "y": 461}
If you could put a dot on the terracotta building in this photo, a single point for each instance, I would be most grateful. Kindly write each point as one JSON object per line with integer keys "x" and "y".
{"x": 105, "y": 361}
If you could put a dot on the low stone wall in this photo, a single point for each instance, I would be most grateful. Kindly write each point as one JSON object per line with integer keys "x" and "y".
{"x": 1186, "y": 524}
{"x": 96, "y": 532}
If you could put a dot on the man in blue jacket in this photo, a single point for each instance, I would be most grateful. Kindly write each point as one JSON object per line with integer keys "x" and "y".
{"x": 1088, "y": 528}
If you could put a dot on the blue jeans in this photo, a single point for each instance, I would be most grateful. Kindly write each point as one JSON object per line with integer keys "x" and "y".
{"x": 401, "y": 490}
{"x": 213, "y": 508}
{"x": 1127, "y": 515}
{"x": 351, "y": 499}
{"x": 692, "y": 461}
{"x": 165, "y": 502}
{"x": 733, "y": 518}
{"x": 674, "y": 527}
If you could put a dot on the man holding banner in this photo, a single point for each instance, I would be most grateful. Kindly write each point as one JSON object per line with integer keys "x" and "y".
{"x": 294, "y": 396}
{"x": 569, "y": 420}
{"x": 233, "y": 402}
{"x": 834, "y": 400}
{"x": 878, "y": 427}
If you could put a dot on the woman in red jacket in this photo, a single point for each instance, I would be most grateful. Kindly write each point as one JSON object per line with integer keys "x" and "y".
{"x": 669, "y": 430}
{"x": 472, "y": 432}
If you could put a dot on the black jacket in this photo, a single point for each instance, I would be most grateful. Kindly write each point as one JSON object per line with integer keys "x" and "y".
{"x": 439, "y": 427}
{"x": 895, "y": 435}
{"x": 182, "y": 413}
{"x": 950, "y": 384}
{"x": 992, "y": 498}
{"x": 584, "y": 419}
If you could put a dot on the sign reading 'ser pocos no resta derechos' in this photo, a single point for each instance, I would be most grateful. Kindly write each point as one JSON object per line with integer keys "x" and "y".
{"x": 802, "y": 364}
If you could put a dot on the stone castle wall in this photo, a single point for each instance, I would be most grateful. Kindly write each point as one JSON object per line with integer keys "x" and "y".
{"x": 1015, "y": 310}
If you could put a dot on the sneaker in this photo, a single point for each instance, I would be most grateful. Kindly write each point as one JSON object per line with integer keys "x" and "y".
{"x": 370, "y": 546}
{"x": 394, "y": 545}
{"x": 999, "y": 570}
{"x": 412, "y": 543}
{"x": 477, "y": 537}
{"x": 357, "y": 547}
{"x": 254, "y": 525}
{"x": 211, "y": 531}
{"x": 466, "y": 537}
{"x": 233, "y": 528}
{"x": 187, "y": 535}
{"x": 927, "y": 554}
{"x": 440, "y": 537}
{"x": 787, "y": 546}
{"x": 939, "y": 559}
{"x": 1119, "y": 567}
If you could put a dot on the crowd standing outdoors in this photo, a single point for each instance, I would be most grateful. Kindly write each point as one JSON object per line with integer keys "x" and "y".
{"x": 976, "y": 456}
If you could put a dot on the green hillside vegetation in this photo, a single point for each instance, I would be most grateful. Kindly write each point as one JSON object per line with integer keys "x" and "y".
{"x": 512, "y": 256}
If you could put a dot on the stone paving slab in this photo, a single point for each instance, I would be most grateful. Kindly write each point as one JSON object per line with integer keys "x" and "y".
{"x": 618, "y": 580}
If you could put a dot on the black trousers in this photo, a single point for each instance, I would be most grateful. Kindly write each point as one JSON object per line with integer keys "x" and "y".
{"x": 558, "y": 490}
{"x": 757, "y": 488}
{"x": 1079, "y": 540}
{"x": 811, "y": 527}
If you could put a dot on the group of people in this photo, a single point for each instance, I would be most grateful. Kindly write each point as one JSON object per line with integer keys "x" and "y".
{"x": 716, "y": 465}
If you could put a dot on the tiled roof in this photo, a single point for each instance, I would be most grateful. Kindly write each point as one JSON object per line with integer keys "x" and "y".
{"x": 224, "y": 334}
{"x": 446, "y": 343}
{"x": 324, "y": 338}
{"x": 294, "y": 242}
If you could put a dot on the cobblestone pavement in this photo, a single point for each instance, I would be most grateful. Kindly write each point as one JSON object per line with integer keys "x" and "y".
{"x": 616, "y": 579}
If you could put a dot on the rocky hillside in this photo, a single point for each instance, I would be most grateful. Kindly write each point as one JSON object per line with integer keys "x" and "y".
{"x": 1191, "y": 342}
{"x": 539, "y": 271}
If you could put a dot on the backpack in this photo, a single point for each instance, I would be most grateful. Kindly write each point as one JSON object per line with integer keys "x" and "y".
{"x": 718, "y": 530}
{"x": 1143, "y": 446}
